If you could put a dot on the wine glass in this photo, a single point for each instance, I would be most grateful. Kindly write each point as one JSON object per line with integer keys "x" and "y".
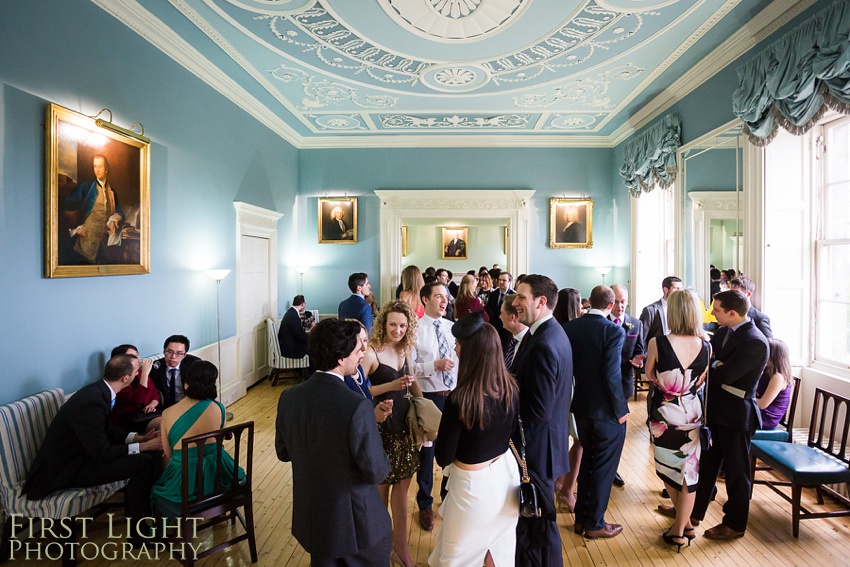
{"x": 407, "y": 393}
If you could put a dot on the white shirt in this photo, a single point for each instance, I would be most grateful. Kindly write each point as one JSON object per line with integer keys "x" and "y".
{"x": 534, "y": 326}
{"x": 334, "y": 373}
{"x": 664, "y": 316}
{"x": 428, "y": 351}
{"x": 521, "y": 335}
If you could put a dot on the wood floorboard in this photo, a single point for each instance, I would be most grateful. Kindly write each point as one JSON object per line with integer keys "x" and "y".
{"x": 822, "y": 543}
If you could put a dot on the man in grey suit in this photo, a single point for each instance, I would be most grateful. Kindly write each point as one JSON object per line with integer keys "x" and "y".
{"x": 329, "y": 434}
{"x": 654, "y": 316}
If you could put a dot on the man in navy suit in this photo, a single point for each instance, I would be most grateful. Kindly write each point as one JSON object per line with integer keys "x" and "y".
{"x": 760, "y": 320}
{"x": 167, "y": 373}
{"x": 634, "y": 351}
{"x": 355, "y": 307}
{"x": 329, "y": 434}
{"x": 292, "y": 336}
{"x": 732, "y": 414}
{"x": 544, "y": 368}
{"x": 494, "y": 305}
{"x": 82, "y": 449}
{"x": 601, "y": 409}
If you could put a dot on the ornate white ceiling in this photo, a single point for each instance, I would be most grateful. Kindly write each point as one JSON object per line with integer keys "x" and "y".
{"x": 326, "y": 73}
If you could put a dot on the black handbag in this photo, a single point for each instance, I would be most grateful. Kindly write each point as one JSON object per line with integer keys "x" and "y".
{"x": 529, "y": 497}
{"x": 704, "y": 431}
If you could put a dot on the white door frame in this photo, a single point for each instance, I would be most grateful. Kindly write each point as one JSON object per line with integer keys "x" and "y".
{"x": 509, "y": 204}
{"x": 262, "y": 223}
{"x": 705, "y": 207}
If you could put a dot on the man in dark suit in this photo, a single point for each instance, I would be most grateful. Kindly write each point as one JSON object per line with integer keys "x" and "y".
{"x": 81, "y": 448}
{"x": 292, "y": 336}
{"x": 329, "y": 434}
{"x": 634, "y": 351}
{"x": 601, "y": 409}
{"x": 494, "y": 305}
{"x": 167, "y": 373}
{"x": 355, "y": 307}
{"x": 335, "y": 228}
{"x": 574, "y": 230}
{"x": 761, "y": 321}
{"x": 543, "y": 368}
{"x": 732, "y": 414}
{"x": 654, "y": 316}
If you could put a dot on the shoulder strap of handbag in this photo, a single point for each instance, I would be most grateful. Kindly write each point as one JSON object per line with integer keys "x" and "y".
{"x": 521, "y": 458}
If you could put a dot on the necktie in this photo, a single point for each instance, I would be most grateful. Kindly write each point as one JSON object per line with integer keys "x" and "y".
{"x": 112, "y": 404}
{"x": 729, "y": 332}
{"x": 617, "y": 321}
{"x": 172, "y": 388}
{"x": 510, "y": 351}
{"x": 443, "y": 348}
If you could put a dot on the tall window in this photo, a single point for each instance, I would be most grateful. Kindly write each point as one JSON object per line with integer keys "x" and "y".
{"x": 807, "y": 242}
{"x": 655, "y": 249}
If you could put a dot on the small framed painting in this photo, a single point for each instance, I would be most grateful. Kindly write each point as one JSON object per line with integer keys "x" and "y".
{"x": 338, "y": 220}
{"x": 455, "y": 239}
{"x": 404, "y": 241}
{"x": 571, "y": 223}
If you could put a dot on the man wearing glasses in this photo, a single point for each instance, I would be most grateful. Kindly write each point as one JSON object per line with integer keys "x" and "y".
{"x": 167, "y": 372}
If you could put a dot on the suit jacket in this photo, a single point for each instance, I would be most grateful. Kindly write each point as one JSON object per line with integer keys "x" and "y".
{"x": 355, "y": 307}
{"x": 744, "y": 358}
{"x": 650, "y": 317}
{"x": 79, "y": 433}
{"x": 160, "y": 378}
{"x": 762, "y": 322}
{"x": 494, "y": 309}
{"x": 292, "y": 336}
{"x": 332, "y": 230}
{"x": 597, "y": 351}
{"x": 329, "y": 434}
{"x": 544, "y": 372}
{"x": 576, "y": 232}
{"x": 632, "y": 346}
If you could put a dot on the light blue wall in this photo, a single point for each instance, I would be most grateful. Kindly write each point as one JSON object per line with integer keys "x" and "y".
{"x": 206, "y": 153}
{"x": 485, "y": 243}
{"x": 550, "y": 172}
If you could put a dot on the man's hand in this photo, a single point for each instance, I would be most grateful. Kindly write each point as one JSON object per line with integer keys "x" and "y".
{"x": 154, "y": 444}
{"x": 638, "y": 360}
{"x": 444, "y": 364}
{"x": 82, "y": 232}
{"x": 383, "y": 410}
{"x": 623, "y": 419}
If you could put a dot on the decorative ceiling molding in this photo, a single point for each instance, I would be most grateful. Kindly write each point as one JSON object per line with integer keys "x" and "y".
{"x": 766, "y": 22}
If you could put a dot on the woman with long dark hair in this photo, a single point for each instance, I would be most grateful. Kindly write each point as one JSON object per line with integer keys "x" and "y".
{"x": 773, "y": 392}
{"x": 481, "y": 509}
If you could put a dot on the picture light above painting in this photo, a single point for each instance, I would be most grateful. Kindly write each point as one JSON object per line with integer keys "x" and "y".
{"x": 97, "y": 196}
{"x": 338, "y": 220}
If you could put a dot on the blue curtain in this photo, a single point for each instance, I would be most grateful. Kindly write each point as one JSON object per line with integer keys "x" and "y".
{"x": 651, "y": 157}
{"x": 796, "y": 80}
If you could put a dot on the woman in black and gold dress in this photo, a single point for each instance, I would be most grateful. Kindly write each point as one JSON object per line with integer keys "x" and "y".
{"x": 387, "y": 362}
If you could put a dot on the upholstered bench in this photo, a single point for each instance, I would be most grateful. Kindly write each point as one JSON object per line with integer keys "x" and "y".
{"x": 823, "y": 460}
{"x": 23, "y": 426}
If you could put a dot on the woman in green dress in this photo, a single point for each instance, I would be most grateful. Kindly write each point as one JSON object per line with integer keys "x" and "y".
{"x": 196, "y": 414}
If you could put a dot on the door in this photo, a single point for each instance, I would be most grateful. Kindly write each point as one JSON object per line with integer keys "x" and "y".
{"x": 254, "y": 306}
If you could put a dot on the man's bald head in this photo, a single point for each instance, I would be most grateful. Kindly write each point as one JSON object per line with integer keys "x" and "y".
{"x": 621, "y": 301}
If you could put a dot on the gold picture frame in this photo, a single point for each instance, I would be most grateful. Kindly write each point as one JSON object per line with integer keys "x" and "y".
{"x": 404, "y": 242}
{"x": 455, "y": 243}
{"x": 337, "y": 220}
{"x": 570, "y": 223}
{"x": 97, "y": 197}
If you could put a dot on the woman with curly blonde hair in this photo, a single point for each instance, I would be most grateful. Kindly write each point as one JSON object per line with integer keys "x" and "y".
{"x": 411, "y": 282}
{"x": 388, "y": 364}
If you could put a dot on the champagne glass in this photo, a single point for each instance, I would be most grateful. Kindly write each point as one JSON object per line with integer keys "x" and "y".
{"x": 407, "y": 393}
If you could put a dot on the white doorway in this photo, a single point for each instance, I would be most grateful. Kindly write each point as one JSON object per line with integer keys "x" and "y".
{"x": 256, "y": 289}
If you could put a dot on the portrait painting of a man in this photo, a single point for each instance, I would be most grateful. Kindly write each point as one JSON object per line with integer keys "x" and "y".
{"x": 570, "y": 222}
{"x": 338, "y": 221}
{"x": 455, "y": 243}
{"x": 97, "y": 199}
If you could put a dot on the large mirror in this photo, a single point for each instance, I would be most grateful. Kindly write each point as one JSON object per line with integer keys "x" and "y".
{"x": 711, "y": 176}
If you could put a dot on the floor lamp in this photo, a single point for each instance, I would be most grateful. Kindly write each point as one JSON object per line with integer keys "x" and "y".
{"x": 301, "y": 271}
{"x": 219, "y": 275}
{"x": 602, "y": 271}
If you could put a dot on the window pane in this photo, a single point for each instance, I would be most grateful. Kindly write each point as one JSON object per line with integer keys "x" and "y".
{"x": 837, "y": 217}
{"x": 838, "y": 148}
{"x": 833, "y": 338}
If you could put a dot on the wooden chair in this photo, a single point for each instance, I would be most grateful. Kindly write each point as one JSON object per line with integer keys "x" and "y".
{"x": 225, "y": 501}
{"x": 280, "y": 364}
{"x": 825, "y": 459}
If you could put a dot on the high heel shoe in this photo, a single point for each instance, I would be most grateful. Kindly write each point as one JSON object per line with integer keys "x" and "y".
{"x": 690, "y": 534}
{"x": 671, "y": 540}
{"x": 564, "y": 504}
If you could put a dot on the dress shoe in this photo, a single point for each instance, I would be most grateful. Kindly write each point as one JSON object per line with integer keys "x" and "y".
{"x": 426, "y": 520}
{"x": 618, "y": 481}
{"x": 670, "y": 512}
{"x": 578, "y": 528}
{"x": 608, "y": 530}
{"x": 722, "y": 532}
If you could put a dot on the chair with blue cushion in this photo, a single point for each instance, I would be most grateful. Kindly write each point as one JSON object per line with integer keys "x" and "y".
{"x": 785, "y": 430}
{"x": 824, "y": 460}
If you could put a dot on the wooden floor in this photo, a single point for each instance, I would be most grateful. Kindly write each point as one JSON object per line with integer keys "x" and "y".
{"x": 768, "y": 541}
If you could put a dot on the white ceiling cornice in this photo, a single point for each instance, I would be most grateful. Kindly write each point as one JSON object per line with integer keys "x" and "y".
{"x": 766, "y": 22}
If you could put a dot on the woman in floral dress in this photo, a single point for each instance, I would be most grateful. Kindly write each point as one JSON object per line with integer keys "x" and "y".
{"x": 677, "y": 364}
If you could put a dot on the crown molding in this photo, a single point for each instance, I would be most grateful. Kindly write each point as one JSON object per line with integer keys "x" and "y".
{"x": 141, "y": 21}
{"x": 765, "y": 23}
{"x": 463, "y": 141}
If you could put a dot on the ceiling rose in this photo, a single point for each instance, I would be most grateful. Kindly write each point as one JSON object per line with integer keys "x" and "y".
{"x": 454, "y": 20}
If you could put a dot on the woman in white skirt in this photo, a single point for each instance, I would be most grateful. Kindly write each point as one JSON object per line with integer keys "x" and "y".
{"x": 481, "y": 509}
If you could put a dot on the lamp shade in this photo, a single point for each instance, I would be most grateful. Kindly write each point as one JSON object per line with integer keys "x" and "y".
{"x": 217, "y": 275}
{"x": 603, "y": 270}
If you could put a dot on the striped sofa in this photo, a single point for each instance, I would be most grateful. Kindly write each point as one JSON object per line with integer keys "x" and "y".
{"x": 23, "y": 426}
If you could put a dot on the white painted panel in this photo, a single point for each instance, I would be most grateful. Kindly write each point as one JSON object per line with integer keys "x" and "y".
{"x": 255, "y": 305}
